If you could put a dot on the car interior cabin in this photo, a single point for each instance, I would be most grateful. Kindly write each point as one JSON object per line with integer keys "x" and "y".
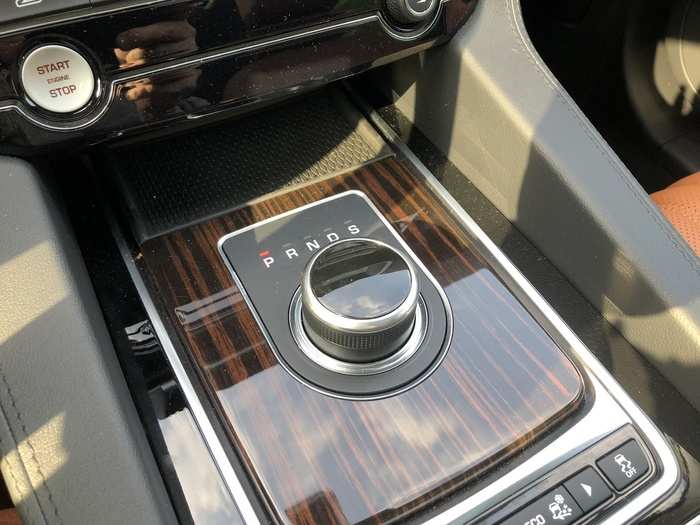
{"x": 368, "y": 262}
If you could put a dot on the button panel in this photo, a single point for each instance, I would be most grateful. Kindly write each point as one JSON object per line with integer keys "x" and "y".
{"x": 57, "y": 78}
{"x": 624, "y": 465}
{"x": 557, "y": 506}
{"x": 583, "y": 488}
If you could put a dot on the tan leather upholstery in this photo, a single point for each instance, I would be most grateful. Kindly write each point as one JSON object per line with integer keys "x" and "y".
{"x": 680, "y": 203}
{"x": 9, "y": 517}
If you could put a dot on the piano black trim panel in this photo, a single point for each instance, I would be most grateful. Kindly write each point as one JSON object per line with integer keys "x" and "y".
{"x": 169, "y": 62}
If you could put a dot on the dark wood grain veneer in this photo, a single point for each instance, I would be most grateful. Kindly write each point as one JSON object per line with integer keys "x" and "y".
{"x": 317, "y": 459}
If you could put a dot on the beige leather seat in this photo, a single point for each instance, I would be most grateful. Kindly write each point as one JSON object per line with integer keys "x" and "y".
{"x": 680, "y": 203}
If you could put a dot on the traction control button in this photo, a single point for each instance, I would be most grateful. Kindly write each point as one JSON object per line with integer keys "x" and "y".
{"x": 624, "y": 465}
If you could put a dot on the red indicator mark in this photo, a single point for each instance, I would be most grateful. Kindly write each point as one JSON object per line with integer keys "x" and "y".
{"x": 265, "y": 253}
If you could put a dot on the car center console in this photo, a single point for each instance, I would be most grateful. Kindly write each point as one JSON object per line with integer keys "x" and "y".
{"x": 311, "y": 327}
{"x": 356, "y": 349}
{"x": 94, "y": 69}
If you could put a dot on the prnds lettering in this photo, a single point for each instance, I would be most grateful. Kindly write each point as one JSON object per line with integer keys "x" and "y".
{"x": 53, "y": 68}
{"x": 308, "y": 245}
{"x": 312, "y": 245}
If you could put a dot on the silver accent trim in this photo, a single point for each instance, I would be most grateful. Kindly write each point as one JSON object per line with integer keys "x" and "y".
{"x": 418, "y": 14}
{"x": 211, "y": 56}
{"x": 204, "y": 424}
{"x": 693, "y": 521}
{"x": 611, "y": 402}
{"x": 407, "y": 37}
{"x": 19, "y": 107}
{"x": 328, "y": 362}
{"x": 349, "y": 324}
{"x": 448, "y": 308}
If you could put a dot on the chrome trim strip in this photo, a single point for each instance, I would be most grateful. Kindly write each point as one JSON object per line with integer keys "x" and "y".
{"x": 19, "y": 107}
{"x": 329, "y": 362}
{"x": 606, "y": 388}
{"x": 407, "y": 249}
{"x": 216, "y": 449}
{"x": 211, "y": 56}
{"x": 418, "y": 13}
{"x": 693, "y": 521}
{"x": 411, "y": 36}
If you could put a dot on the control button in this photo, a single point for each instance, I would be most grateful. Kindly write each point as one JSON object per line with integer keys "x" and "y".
{"x": 624, "y": 465}
{"x": 359, "y": 300}
{"x": 57, "y": 78}
{"x": 588, "y": 489}
{"x": 411, "y": 11}
{"x": 15, "y": 9}
{"x": 419, "y": 7}
{"x": 556, "y": 506}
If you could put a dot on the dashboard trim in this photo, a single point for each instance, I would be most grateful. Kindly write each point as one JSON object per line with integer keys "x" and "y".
{"x": 111, "y": 86}
{"x": 86, "y": 12}
{"x": 81, "y": 13}
{"x": 211, "y": 56}
{"x": 607, "y": 386}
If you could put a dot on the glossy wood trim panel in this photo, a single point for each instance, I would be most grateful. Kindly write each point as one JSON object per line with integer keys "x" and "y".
{"x": 317, "y": 459}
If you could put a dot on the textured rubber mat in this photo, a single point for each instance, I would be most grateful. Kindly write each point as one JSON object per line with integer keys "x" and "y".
{"x": 186, "y": 178}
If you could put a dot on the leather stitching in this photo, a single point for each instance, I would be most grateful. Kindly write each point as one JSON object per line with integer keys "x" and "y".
{"x": 32, "y": 457}
{"x": 15, "y": 481}
{"x": 666, "y": 229}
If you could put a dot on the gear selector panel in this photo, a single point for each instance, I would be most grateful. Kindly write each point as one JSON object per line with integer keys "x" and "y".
{"x": 346, "y": 305}
{"x": 375, "y": 345}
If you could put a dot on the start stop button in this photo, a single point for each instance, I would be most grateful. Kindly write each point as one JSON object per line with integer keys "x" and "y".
{"x": 57, "y": 78}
